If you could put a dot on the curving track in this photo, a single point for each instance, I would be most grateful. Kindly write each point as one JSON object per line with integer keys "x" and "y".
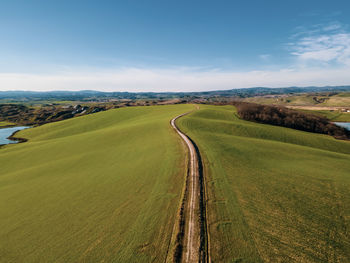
{"x": 191, "y": 244}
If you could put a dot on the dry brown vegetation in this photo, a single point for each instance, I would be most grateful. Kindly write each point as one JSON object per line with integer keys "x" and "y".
{"x": 282, "y": 116}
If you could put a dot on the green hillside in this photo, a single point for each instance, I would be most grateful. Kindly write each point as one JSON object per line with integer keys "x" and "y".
{"x": 5, "y": 123}
{"x": 331, "y": 115}
{"x": 100, "y": 188}
{"x": 274, "y": 194}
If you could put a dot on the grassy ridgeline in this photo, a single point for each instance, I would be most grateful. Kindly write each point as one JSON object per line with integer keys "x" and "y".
{"x": 275, "y": 194}
{"x": 105, "y": 186}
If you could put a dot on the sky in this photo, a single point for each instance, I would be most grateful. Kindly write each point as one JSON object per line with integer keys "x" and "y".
{"x": 173, "y": 45}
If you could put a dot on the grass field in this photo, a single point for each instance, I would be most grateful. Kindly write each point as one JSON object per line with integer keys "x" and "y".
{"x": 274, "y": 194}
{"x": 339, "y": 100}
{"x": 331, "y": 115}
{"x": 5, "y": 123}
{"x": 283, "y": 100}
{"x": 104, "y": 187}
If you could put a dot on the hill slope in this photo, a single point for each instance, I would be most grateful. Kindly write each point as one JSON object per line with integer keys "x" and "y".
{"x": 274, "y": 194}
{"x": 105, "y": 186}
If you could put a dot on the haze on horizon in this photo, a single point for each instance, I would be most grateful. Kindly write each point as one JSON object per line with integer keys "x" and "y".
{"x": 173, "y": 46}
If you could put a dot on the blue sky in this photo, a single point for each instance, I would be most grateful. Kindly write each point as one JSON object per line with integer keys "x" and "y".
{"x": 173, "y": 45}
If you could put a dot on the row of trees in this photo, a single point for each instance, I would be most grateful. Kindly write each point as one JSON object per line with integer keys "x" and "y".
{"x": 282, "y": 116}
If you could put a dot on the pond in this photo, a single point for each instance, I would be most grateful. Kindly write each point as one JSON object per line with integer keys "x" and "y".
{"x": 7, "y": 132}
{"x": 346, "y": 125}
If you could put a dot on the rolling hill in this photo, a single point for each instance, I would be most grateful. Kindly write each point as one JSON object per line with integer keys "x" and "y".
{"x": 102, "y": 187}
{"x": 273, "y": 194}
{"x": 108, "y": 187}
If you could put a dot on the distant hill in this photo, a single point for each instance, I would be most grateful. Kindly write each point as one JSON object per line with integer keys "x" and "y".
{"x": 90, "y": 94}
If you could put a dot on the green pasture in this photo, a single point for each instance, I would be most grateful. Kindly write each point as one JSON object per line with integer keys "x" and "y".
{"x": 331, "y": 115}
{"x": 5, "y": 123}
{"x": 104, "y": 187}
{"x": 340, "y": 100}
{"x": 274, "y": 194}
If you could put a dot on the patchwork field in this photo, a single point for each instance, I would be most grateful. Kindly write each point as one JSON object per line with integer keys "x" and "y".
{"x": 274, "y": 194}
{"x": 341, "y": 99}
{"x": 99, "y": 188}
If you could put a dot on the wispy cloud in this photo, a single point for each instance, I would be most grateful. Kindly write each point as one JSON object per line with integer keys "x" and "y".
{"x": 265, "y": 57}
{"x": 326, "y": 44}
{"x": 322, "y": 52}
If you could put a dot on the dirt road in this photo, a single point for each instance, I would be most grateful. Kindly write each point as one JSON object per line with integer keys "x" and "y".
{"x": 191, "y": 244}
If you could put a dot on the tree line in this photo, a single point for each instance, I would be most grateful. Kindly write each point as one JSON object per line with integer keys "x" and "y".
{"x": 282, "y": 116}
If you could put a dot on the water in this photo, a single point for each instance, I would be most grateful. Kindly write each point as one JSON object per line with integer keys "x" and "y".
{"x": 7, "y": 132}
{"x": 346, "y": 125}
